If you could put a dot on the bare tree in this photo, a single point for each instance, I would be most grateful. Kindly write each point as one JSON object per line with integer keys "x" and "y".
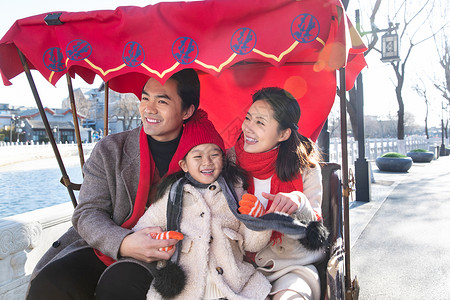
{"x": 352, "y": 95}
{"x": 421, "y": 90}
{"x": 83, "y": 105}
{"x": 126, "y": 108}
{"x": 443, "y": 85}
{"x": 411, "y": 35}
{"x": 334, "y": 124}
{"x": 413, "y": 16}
{"x": 373, "y": 127}
{"x": 442, "y": 43}
{"x": 411, "y": 126}
{"x": 352, "y": 111}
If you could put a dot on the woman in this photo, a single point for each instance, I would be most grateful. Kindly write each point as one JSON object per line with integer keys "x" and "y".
{"x": 285, "y": 177}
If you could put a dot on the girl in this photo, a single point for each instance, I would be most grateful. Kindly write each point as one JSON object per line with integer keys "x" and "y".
{"x": 285, "y": 178}
{"x": 211, "y": 252}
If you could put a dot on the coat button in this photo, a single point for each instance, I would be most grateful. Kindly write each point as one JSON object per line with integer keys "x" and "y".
{"x": 211, "y": 239}
{"x": 56, "y": 244}
{"x": 219, "y": 270}
{"x": 212, "y": 187}
{"x": 202, "y": 214}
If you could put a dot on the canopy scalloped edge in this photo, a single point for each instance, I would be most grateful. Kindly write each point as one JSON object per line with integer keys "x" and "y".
{"x": 228, "y": 42}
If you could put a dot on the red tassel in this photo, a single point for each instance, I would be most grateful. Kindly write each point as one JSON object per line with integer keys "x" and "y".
{"x": 276, "y": 238}
{"x": 318, "y": 216}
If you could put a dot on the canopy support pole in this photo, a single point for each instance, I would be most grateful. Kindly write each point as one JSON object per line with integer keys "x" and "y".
{"x": 75, "y": 120}
{"x": 351, "y": 292}
{"x": 105, "y": 111}
{"x": 65, "y": 178}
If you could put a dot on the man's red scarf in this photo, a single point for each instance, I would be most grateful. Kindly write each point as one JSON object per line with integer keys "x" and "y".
{"x": 145, "y": 179}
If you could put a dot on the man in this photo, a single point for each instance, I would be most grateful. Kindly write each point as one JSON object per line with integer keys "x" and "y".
{"x": 120, "y": 178}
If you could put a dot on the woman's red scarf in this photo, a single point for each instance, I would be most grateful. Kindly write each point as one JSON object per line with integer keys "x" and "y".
{"x": 145, "y": 179}
{"x": 262, "y": 166}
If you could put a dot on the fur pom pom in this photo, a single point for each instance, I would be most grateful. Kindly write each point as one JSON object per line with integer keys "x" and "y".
{"x": 316, "y": 236}
{"x": 170, "y": 280}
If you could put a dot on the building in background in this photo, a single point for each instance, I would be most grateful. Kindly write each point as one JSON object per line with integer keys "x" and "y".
{"x": 24, "y": 124}
{"x": 60, "y": 120}
{"x": 123, "y": 109}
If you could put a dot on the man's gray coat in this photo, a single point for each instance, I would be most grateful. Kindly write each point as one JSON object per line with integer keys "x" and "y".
{"x": 106, "y": 199}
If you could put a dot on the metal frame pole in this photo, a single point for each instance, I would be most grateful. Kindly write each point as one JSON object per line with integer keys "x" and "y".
{"x": 105, "y": 111}
{"x": 75, "y": 120}
{"x": 362, "y": 169}
{"x": 345, "y": 186}
{"x": 65, "y": 178}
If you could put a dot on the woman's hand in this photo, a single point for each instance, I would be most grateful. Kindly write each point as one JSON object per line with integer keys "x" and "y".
{"x": 141, "y": 246}
{"x": 283, "y": 202}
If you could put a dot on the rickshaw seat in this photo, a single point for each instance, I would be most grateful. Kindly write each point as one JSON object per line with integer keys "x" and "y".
{"x": 331, "y": 269}
{"x": 331, "y": 272}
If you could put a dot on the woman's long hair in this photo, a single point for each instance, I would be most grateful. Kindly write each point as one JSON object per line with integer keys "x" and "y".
{"x": 297, "y": 152}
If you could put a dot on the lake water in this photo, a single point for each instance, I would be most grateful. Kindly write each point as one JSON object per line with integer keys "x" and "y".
{"x": 31, "y": 185}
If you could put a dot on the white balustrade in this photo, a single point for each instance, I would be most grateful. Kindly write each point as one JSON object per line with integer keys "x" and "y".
{"x": 24, "y": 238}
{"x": 376, "y": 147}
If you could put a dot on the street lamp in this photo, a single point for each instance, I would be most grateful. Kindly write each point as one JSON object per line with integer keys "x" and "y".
{"x": 389, "y": 53}
{"x": 10, "y": 127}
{"x": 21, "y": 125}
{"x": 56, "y": 133}
{"x": 389, "y": 40}
{"x": 15, "y": 121}
{"x": 389, "y": 46}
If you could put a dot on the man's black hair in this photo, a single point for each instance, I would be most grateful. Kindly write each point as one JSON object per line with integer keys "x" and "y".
{"x": 188, "y": 87}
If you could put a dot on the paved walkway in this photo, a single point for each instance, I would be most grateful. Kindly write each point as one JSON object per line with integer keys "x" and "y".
{"x": 400, "y": 241}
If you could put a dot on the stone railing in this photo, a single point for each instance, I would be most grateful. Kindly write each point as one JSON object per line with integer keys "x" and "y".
{"x": 376, "y": 147}
{"x": 24, "y": 238}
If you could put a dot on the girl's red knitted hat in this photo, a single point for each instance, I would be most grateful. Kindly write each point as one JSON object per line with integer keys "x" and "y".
{"x": 199, "y": 130}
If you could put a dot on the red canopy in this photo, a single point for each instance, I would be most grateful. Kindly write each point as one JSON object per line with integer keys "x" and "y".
{"x": 237, "y": 47}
